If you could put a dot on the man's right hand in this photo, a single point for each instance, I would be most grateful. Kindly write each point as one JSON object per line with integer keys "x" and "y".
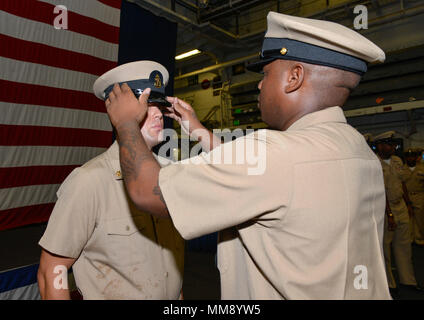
{"x": 391, "y": 223}
{"x": 123, "y": 107}
{"x": 184, "y": 114}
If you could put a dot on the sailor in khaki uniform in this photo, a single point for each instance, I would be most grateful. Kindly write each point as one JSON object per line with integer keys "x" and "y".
{"x": 115, "y": 250}
{"x": 300, "y": 208}
{"x": 415, "y": 186}
{"x": 397, "y": 234}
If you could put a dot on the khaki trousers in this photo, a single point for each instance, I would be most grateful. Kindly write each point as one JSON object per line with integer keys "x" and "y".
{"x": 417, "y": 226}
{"x": 400, "y": 241}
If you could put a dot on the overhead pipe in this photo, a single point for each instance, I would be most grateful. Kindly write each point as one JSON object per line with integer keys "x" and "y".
{"x": 217, "y": 66}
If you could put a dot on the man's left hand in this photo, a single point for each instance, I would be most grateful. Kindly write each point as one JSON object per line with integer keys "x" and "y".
{"x": 123, "y": 107}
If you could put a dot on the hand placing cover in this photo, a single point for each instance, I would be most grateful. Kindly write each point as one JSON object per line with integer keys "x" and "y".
{"x": 123, "y": 107}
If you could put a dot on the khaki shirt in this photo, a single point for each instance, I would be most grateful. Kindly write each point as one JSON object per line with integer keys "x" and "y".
{"x": 121, "y": 252}
{"x": 309, "y": 227}
{"x": 415, "y": 186}
{"x": 394, "y": 174}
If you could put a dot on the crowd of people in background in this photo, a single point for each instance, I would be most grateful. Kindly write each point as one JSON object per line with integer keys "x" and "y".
{"x": 403, "y": 172}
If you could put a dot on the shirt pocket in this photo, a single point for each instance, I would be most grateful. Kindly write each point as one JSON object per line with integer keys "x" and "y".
{"x": 224, "y": 252}
{"x": 122, "y": 242}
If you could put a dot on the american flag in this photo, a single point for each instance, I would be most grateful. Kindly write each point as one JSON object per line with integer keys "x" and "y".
{"x": 50, "y": 121}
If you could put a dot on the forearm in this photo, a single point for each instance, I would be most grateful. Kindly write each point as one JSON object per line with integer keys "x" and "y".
{"x": 406, "y": 194}
{"x": 207, "y": 139}
{"x": 52, "y": 276}
{"x": 55, "y": 294}
{"x": 48, "y": 291}
{"x": 186, "y": 117}
{"x": 140, "y": 170}
{"x": 388, "y": 209}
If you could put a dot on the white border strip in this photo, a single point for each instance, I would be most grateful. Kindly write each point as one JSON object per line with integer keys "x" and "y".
{"x": 30, "y": 292}
{"x": 27, "y": 196}
{"x": 33, "y": 115}
{"x": 90, "y": 8}
{"x": 34, "y": 73}
{"x": 38, "y": 32}
{"x": 23, "y": 156}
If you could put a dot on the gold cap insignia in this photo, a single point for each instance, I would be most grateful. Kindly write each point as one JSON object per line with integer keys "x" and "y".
{"x": 158, "y": 83}
{"x": 283, "y": 51}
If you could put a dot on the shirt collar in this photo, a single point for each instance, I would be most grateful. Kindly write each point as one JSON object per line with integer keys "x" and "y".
{"x": 384, "y": 161}
{"x": 113, "y": 154}
{"x": 331, "y": 114}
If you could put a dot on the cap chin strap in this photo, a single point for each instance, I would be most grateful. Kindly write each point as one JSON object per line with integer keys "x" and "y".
{"x": 157, "y": 95}
{"x": 137, "y": 85}
{"x": 288, "y": 49}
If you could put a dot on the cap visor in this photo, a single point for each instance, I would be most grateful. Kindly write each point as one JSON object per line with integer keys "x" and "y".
{"x": 159, "y": 99}
{"x": 259, "y": 65}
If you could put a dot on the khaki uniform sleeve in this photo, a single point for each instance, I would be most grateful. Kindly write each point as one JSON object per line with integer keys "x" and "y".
{"x": 74, "y": 216}
{"x": 163, "y": 162}
{"x": 402, "y": 170}
{"x": 420, "y": 173}
{"x": 204, "y": 196}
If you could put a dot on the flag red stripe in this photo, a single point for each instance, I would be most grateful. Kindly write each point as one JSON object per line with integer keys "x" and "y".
{"x": 43, "y": 12}
{"x": 112, "y": 3}
{"x": 13, "y": 135}
{"x": 35, "y": 175}
{"x": 18, "y": 217}
{"x": 43, "y": 54}
{"x": 78, "y": 57}
{"x": 24, "y": 93}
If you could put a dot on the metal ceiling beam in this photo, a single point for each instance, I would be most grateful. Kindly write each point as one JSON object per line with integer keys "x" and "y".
{"x": 227, "y": 10}
{"x": 149, "y": 4}
{"x": 188, "y": 5}
{"x": 206, "y": 26}
{"x": 179, "y": 18}
{"x": 217, "y": 66}
{"x": 404, "y": 106}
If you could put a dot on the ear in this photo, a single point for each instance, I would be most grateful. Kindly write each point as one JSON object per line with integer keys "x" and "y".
{"x": 295, "y": 78}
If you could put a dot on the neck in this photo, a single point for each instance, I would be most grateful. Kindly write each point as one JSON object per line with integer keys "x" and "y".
{"x": 292, "y": 120}
{"x": 148, "y": 140}
{"x": 148, "y": 145}
{"x": 301, "y": 112}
